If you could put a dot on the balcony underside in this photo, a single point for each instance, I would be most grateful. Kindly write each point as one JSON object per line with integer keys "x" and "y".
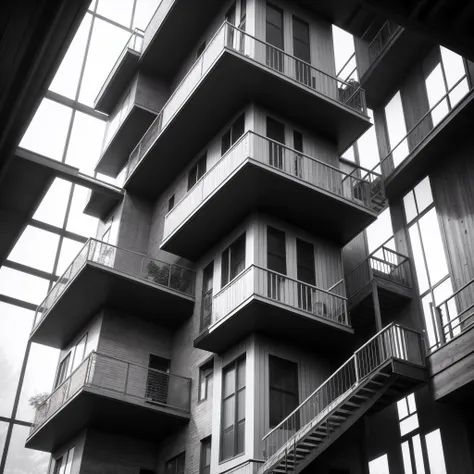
{"x": 118, "y": 79}
{"x": 383, "y": 78}
{"x": 273, "y": 318}
{"x": 436, "y": 146}
{"x": 102, "y": 201}
{"x": 233, "y": 82}
{"x": 268, "y": 190}
{"x": 392, "y": 297}
{"x": 452, "y": 369}
{"x": 124, "y": 141}
{"x": 97, "y": 408}
{"x": 96, "y": 286}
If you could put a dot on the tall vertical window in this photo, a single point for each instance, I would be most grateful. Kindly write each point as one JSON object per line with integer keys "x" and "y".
{"x": 379, "y": 465}
{"x": 207, "y": 290}
{"x": 396, "y": 129}
{"x": 276, "y": 250}
{"x": 205, "y": 465}
{"x": 301, "y": 50}
{"x": 79, "y": 353}
{"x": 63, "y": 370}
{"x": 283, "y": 390}
{"x": 206, "y": 372}
{"x": 429, "y": 257}
{"x": 235, "y": 131}
{"x": 233, "y": 260}
{"x": 298, "y": 159}
{"x": 305, "y": 262}
{"x": 175, "y": 465}
{"x": 275, "y": 37}
{"x": 197, "y": 171}
{"x": 233, "y": 410}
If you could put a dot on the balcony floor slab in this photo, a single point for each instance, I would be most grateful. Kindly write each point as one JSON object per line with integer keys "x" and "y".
{"x": 96, "y": 286}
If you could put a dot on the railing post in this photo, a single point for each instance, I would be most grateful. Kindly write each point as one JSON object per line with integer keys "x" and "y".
{"x": 439, "y": 322}
{"x": 126, "y": 379}
{"x": 356, "y": 367}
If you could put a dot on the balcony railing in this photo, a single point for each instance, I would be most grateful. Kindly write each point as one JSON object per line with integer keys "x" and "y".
{"x": 381, "y": 39}
{"x": 273, "y": 286}
{"x": 382, "y": 263}
{"x": 365, "y": 190}
{"x": 393, "y": 342}
{"x": 153, "y": 271}
{"x": 454, "y": 315}
{"x": 424, "y": 128}
{"x": 228, "y": 37}
{"x": 137, "y": 384}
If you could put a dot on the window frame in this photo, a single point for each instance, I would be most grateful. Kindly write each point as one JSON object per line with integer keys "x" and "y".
{"x": 197, "y": 171}
{"x": 233, "y": 134}
{"x": 175, "y": 460}
{"x": 206, "y": 373}
{"x": 63, "y": 370}
{"x": 227, "y": 262}
{"x": 205, "y": 443}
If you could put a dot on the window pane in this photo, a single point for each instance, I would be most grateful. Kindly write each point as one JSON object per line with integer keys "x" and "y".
{"x": 410, "y": 206}
{"x": 47, "y": 131}
{"x": 228, "y": 412}
{"x": 79, "y": 222}
{"x": 86, "y": 142}
{"x": 144, "y": 11}
{"x": 396, "y": 128}
{"x": 406, "y": 458}
{"x": 343, "y": 47}
{"x": 120, "y": 12}
{"x": 402, "y": 408}
{"x": 107, "y": 42}
{"x": 367, "y": 144}
{"x": 22, "y": 286}
{"x": 52, "y": 209}
{"x": 39, "y": 377}
{"x": 433, "y": 245}
{"x": 36, "y": 248}
{"x": 409, "y": 424}
{"x": 420, "y": 465}
{"x": 424, "y": 196}
{"x": 454, "y": 70}
{"x": 69, "y": 250}
{"x": 241, "y": 374}
{"x": 3, "y": 434}
{"x": 379, "y": 465}
{"x": 418, "y": 257}
{"x": 379, "y": 231}
{"x": 227, "y": 441}
{"x": 241, "y": 405}
{"x": 21, "y": 460}
{"x": 66, "y": 80}
{"x": 15, "y": 327}
{"x": 229, "y": 382}
{"x": 436, "y": 89}
{"x": 430, "y": 325}
{"x": 434, "y": 446}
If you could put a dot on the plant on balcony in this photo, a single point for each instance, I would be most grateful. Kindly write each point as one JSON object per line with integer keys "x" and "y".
{"x": 37, "y": 400}
{"x": 347, "y": 94}
{"x": 157, "y": 273}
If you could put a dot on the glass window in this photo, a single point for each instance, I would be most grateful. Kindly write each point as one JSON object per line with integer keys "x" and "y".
{"x": 420, "y": 465}
{"x": 379, "y": 231}
{"x": 436, "y": 89}
{"x": 343, "y": 49}
{"x": 235, "y": 131}
{"x": 454, "y": 70}
{"x": 49, "y": 116}
{"x": 368, "y": 148}
{"x": 66, "y": 80}
{"x": 79, "y": 353}
{"x": 107, "y": 42}
{"x": 233, "y": 410}
{"x": 276, "y": 250}
{"x": 233, "y": 260}
{"x": 3, "y": 434}
{"x": 69, "y": 250}
{"x": 52, "y": 209}
{"x": 396, "y": 129}
{"x": 86, "y": 142}
{"x": 15, "y": 327}
{"x": 275, "y": 26}
{"x": 79, "y": 222}
{"x": 144, "y": 10}
{"x": 301, "y": 47}
{"x": 379, "y": 465}
{"x": 175, "y": 465}
{"x": 170, "y": 203}
{"x": 206, "y": 456}
{"x": 417, "y": 249}
{"x": 23, "y": 286}
{"x": 39, "y": 377}
{"x": 206, "y": 372}
{"x": 305, "y": 262}
{"x": 283, "y": 390}
{"x": 36, "y": 248}
{"x": 434, "y": 447}
{"x": 197, "y": 171}
{"x": 21, "y": 460}
{"x": 407, "y": 462}
{"x": 63, "y": 370}
{"x": 120, "y": 12}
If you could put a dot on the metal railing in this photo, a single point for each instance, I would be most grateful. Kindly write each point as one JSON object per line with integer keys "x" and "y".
{"x": 365, "y": 191}
{"x": 160, "y": 273}
{"x": 138, "y": 384}
{"x": 381, "y": 39}
{"x": 135, "y": 43}
{"x": 383, "y": 263}
{"x": 454, "y": 315}
{"x": 229, "y": 37}
{"x": 424, "y": 128}
{"x": 258, "y": 281}
{"x": 393, "y": 342}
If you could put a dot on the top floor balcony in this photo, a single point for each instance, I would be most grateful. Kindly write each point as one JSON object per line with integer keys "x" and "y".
{"x": 121, "y": 74}
{"x": 379, "y": 286}
{"x": 324, "y": 199}
{"x": 234, "y": 69}
{"x": 429, "y": 140}
{"x": 102, "y": 274}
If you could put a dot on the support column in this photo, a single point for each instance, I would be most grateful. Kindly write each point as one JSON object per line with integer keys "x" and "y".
{"x": 378, "y": 314}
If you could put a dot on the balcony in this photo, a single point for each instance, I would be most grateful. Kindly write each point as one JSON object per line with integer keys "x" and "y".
{"x": 389, "y": 57}
{"x": 324, "y": 200}
{"x": 388, "y": 367}
{"x": 451, "y": 333}
{"x": 378, "y": 287}
{"x": 121, "y": 74}
{"x": 102, "y": 200}
{"x": 260, "y": 300}
{"x": 116, "y": 395}
{"x": 233, "y": 70}
{"x": 430, "y": 140}
{"x": 103, "y": 274}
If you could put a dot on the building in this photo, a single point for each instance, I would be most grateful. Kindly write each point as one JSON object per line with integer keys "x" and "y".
{"x": 276, "y": 285}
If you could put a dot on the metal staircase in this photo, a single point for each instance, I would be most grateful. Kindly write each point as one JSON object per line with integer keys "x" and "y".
{"x": 383, "y": 370}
